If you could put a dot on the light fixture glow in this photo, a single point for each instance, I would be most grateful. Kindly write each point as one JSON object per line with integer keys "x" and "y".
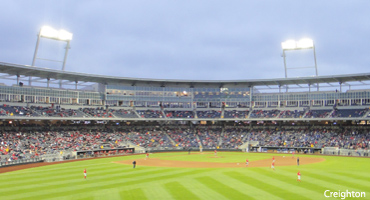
{"x": 49, "y": 32}
{"x": 304, "y": 43}
{"x": 65, "y": 35}
{"x": 289, "y": 44}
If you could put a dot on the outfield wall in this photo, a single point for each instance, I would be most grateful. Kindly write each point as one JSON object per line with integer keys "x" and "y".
{"x": 335, "y": 151}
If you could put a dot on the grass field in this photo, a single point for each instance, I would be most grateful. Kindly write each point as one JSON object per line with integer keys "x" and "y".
{"x": 108, "y": 180}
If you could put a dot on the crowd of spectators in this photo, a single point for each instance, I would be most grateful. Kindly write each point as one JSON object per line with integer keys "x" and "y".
{"x": 264, "y": 113}
{"x": 30, "y": 144}
{"x": 317, "y": 113}
{"x": 236, "y": 114}
{"x": 150, "y": 113}
{"x": 291, "y": 114}
{"x": 232, "y": 138}
{"x": 103, "y": 112}
{"x": 209, "y": 114}
{"x": 183, "y": 137}
{"x": 349, "y": 113}
{"x": 179, "y": 114}
{"x": 209, "y": 137}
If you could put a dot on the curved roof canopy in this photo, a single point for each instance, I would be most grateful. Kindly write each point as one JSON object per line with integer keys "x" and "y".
{"x": 45, "y": 73}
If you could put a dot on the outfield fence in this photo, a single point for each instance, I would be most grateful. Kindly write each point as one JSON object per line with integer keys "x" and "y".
{"x": 21, "y": 161}
{"x": 345, "y": 152}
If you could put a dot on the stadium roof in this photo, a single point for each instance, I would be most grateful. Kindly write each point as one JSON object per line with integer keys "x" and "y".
{"x": 45, "y": 73}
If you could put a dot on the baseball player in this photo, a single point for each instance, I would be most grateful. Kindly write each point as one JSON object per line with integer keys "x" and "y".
{"x": 246, "y": 163}
{"x": 85, "y": 174}
{"x": 299, "y": 176}
{"x": 273, "y": 165}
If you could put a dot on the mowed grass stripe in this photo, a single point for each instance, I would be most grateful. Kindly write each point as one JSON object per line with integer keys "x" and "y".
{"x": 76, "y": 178}
{"x": 331, "y": 179}
{"x": 55, "y": 167}
{"x": 248, "y": 189}
{"x": 265, "y": 186}
{"x": 222, "y": 189}
{"x": 348, "y": 178}
{"x": 362, "y": 177}
{"x": 75, "y": 172}
{"x": 28, "y": 173}
{"x": 178, "y": 191}
{"x": 68, "y": 175}
{"x": 156, "y": 192}
{"x": 307, "y": 189}
{"x": 77, "y": 181}
{"x": 202, "y": 191}
{"x": 92, "y": 186}
{"x": 137, "y": 193}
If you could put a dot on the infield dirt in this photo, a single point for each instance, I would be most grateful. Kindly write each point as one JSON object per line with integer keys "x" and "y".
{"x": 279, "y": 161}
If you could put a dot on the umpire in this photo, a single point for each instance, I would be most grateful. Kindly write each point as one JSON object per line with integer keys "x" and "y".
{"x": 134, "y": 164}
{"x": 297, "y": 161}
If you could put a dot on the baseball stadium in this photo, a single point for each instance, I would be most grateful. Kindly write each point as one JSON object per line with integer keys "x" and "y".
{"x": 237, "y": 139}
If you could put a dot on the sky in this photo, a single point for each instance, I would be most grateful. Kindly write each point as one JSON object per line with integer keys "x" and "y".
{"x": 191, "y": 40}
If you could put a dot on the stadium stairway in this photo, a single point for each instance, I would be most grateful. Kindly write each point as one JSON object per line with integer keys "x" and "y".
{"x": 330, "y": 114}
{"x": 164, "y": 115}
{"x": 199, "y": 141}
{"x": 136, "y": 113}
{"x": 366, "y": 114}
{"x": 222, "y": 134}
{"x": 169, "y": 138}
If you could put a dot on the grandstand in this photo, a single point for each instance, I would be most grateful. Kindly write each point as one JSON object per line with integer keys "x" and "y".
{"x": 105, "y": 112}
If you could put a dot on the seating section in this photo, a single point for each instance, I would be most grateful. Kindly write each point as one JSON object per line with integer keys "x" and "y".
{"x": 179, "y": 114}
{"x": 209, "y": 114}
{"x": 210, "y": 138}
{"x": 317, "y": 113}
{"x": 236, "y": 114}
{"x": 348, "y": 113}
{"x": 182, "y": 137}
{"x": 102, "y": 112}
{"x": 264, "y": 114}
{"x": 150, "y": 113}
{"x": 291, "y": 114}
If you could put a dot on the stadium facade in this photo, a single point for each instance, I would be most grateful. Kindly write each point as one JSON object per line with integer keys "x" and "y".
{"x": 226, "y": 98}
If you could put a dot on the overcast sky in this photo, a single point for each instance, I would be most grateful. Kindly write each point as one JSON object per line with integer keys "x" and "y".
{"x": 197, "y": 40}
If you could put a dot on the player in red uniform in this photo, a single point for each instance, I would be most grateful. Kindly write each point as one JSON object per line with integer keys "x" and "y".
{"x": 299, "y": 176}
{"x": 215, "y": 152}
{"x": 293, "y": 154}
{"x": 246, "y": 163}
{"x": 147, "y": 156}
{"x": 273, "y": 159}
{"x": 85, "y": 174}
{"x": 273, "y": 165}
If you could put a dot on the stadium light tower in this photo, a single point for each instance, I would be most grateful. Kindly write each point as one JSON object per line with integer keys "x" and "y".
{"x": 51, "y": 33}
{"x": 302, "y": 44}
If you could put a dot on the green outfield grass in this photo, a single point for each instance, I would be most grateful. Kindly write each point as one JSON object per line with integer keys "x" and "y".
{"x": 108, "y": 180}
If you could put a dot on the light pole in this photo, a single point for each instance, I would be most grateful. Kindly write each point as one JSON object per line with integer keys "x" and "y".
{"x": 51, "y": 33}
{"x": 292, "y": 45}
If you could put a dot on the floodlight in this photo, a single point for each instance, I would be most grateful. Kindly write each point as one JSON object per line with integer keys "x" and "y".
{"x": 49, "y": 32}
{"x": 305, "y": 43}
{"x": 302, "y": 44}
{"x": 289, "y": 44}
{"x": 65, "y": 35}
